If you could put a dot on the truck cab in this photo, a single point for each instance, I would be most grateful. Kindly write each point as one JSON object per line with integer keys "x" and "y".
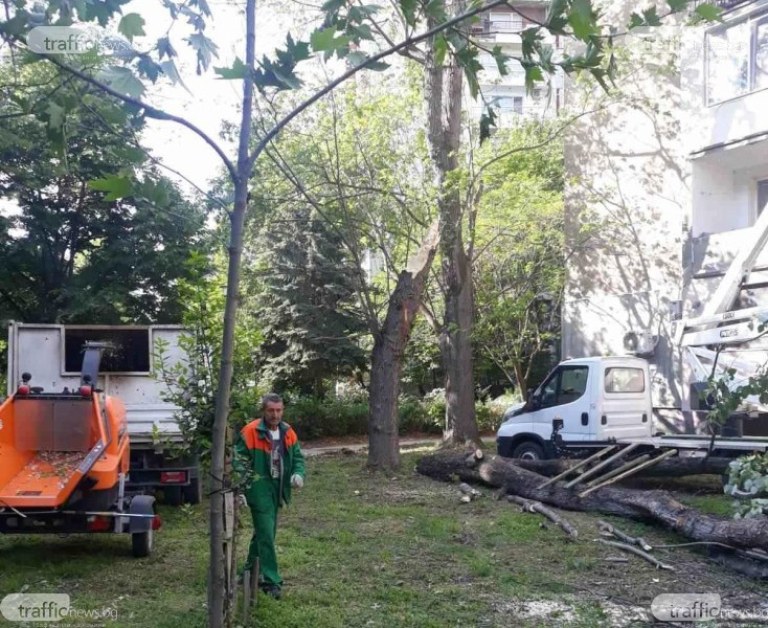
{"x": 598, "y": 399}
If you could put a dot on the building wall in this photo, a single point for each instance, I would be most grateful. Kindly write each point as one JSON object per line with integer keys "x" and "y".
{"x": 502, "y": 27}
{"x": 628, "y": 206}
{"x": 666, "y": 174}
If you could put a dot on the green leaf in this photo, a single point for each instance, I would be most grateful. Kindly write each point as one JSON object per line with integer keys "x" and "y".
{"x": 487, "y": 122}
{"x": 287, "y": 78}
{"x": 356, "y": 58}
{"x": 131, "y": 25}
{"x": 165, "y": 49}
{"x": 170, "y": 70}
{"x": 205, "y": 49}
{"x": 709, "y": 12}
{"x": 202, "y": 5}
{"x": 501, "y": 60}
{"x": 147, "y": 67}
{"x": 122, "y": 80}
{"x": 408, "y": 7}
{"x": 377, "y": 66}
{"x": 533, "y": 75}
{"x": 636, "y": 21}
{"x": 331, "y": 6}
{"x": 359, "y": 32}
{"x": 651, "y": 17}
{"x": 436, "y": 10}
{"x": 440, "y": 48}
{"x": 237, "y": 71}
{"x": 325, "y": 40}
{"x": 582, "y": 19}
{"x": 467, "y": 59}
{"x": 16, "y": 26}
{"x": 299, "y": 50}
{"x": 55, "y": 115}
{"x": 677, "y": 5}
{"x": 117, "y": 187}
{"x": 359, "y": 13}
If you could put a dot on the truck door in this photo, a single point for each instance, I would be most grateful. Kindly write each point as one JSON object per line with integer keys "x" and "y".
{"x": 565, "y": 395}
{"x": 626, "y": 403}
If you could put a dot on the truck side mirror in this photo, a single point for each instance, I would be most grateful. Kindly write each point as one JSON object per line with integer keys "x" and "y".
{"x": 534, "y": 400}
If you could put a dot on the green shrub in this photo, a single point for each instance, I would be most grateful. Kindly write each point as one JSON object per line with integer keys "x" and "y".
{"x": 314, "y": 418}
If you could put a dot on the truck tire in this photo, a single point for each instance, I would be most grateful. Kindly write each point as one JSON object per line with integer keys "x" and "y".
{"x": 193, "y": 494}
{"x": 528, "y": 450}
{"x": 173, "y": 495}
{"x": 141, "y": 543}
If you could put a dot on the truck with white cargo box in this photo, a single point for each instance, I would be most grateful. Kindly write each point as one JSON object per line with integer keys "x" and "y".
{"x": 52, "y": 355}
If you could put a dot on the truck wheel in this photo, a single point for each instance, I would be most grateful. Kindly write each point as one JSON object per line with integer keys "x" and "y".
{"x": 172, "y": 495}
{"x": 141, "y": 543}
{"x": 193, "y": 494}
{"x": 528, "y": 450}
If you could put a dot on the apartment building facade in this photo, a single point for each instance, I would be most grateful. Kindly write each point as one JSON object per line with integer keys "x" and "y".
{"x": 507, "y": 94}
{"x": 671, "y": 175}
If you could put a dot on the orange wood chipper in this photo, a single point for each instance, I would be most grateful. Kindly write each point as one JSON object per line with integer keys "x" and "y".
{"x": 64, "y": 458}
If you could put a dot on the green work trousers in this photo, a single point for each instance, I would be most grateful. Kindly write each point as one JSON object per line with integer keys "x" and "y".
{"x": 262, "y": 545}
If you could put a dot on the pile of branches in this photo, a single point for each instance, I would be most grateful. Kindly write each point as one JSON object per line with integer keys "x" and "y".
{"x": 745, "y": 540}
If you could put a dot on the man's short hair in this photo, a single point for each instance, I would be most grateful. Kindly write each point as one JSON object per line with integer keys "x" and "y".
{"x": 270, "y": 398}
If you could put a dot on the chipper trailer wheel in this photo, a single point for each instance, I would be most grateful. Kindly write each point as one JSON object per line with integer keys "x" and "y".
{"x": 141, "y": 543}
{"x": 142, "y": 528}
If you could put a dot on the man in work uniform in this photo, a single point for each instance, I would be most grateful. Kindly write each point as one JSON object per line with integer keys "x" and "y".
{"x": 268, "y": 455}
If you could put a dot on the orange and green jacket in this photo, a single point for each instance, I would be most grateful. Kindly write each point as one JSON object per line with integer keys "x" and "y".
{"x": 253, "y": 462}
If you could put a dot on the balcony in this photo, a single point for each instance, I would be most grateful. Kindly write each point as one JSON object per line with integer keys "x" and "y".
{"x": 727, "y": 5}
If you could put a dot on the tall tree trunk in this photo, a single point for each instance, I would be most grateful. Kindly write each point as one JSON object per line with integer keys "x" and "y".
{"x": 387, "y": 356}
{"x": 220, "y": 586}
{"x": 456, "y": 342}
{"x": 444, "y": 105}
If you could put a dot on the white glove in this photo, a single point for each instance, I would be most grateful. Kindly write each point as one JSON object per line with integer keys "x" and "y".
{"x": 297, "y": 480}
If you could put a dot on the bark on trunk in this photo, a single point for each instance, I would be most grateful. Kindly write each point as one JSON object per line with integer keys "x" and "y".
{"x": 444, "y": 99}
{"x": 658, "y": 506}
{"x": 220, "y": 584}
{"x": 677, "y": 467}
{"x": 387, "y": 356}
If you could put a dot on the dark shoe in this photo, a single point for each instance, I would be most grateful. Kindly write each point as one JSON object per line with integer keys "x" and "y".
{"x": 272, "y": 590}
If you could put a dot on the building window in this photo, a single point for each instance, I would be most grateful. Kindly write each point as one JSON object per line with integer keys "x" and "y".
{"x": 506, "y": 23}
{"x": 762, "y": 195}
{"x": 737, "y": 59}
{"x": 510, "y": 104}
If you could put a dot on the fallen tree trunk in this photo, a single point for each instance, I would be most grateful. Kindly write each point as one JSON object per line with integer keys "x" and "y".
{"x": 658, "y": 506}
{"x": 676, "y": 467}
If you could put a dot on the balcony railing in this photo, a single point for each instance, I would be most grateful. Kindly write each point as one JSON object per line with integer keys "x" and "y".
{"x": 726, "y": 5}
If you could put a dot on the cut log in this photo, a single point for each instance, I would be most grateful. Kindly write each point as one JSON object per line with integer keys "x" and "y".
{"x": 677, "y": 467}
{"x": 658, "y": 506}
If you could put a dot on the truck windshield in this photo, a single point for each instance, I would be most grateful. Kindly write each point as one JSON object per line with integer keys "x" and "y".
{"x": 624, "y": 380}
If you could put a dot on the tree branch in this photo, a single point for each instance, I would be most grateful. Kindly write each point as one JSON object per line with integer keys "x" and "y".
{"x": 149, "y": 110}
{"x": 351, "y": 72}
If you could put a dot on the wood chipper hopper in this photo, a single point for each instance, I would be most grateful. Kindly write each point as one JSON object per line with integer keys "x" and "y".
{"x": 64, "y": 458}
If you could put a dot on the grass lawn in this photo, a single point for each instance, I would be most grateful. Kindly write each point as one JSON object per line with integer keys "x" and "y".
{"x": 365, "y": 550}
